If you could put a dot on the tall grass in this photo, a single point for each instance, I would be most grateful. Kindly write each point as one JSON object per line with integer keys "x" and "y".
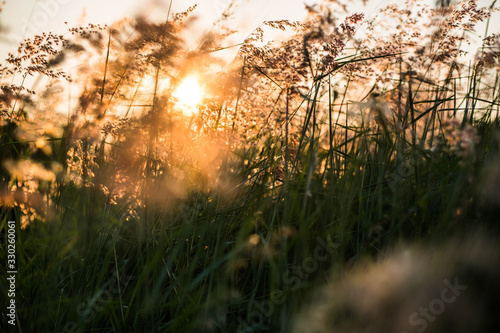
{"x": 134, "y": 217}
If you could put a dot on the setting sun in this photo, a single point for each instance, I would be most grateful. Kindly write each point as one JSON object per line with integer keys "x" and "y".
{"x": 189, "y": 93}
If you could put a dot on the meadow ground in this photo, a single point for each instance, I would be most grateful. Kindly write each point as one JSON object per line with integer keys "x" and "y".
{"x": 331, "y": 182}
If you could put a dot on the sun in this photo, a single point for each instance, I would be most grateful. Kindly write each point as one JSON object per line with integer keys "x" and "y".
{"x": 189, "y": 94}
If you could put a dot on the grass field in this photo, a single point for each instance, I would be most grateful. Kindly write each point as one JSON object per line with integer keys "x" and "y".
{"x": 160, "y": 190}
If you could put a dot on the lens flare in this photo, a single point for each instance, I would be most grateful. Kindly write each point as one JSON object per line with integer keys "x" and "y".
{"x": 189, "y": 94}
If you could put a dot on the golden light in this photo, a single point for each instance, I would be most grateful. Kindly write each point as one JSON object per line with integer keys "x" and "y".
{"x": 189, "y": 94}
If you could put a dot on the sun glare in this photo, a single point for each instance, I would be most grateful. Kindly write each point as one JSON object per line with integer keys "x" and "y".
{"x": 189, "y": 94}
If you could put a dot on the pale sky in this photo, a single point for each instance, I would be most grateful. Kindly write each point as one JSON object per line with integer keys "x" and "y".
{"x": 28, "y": 17}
